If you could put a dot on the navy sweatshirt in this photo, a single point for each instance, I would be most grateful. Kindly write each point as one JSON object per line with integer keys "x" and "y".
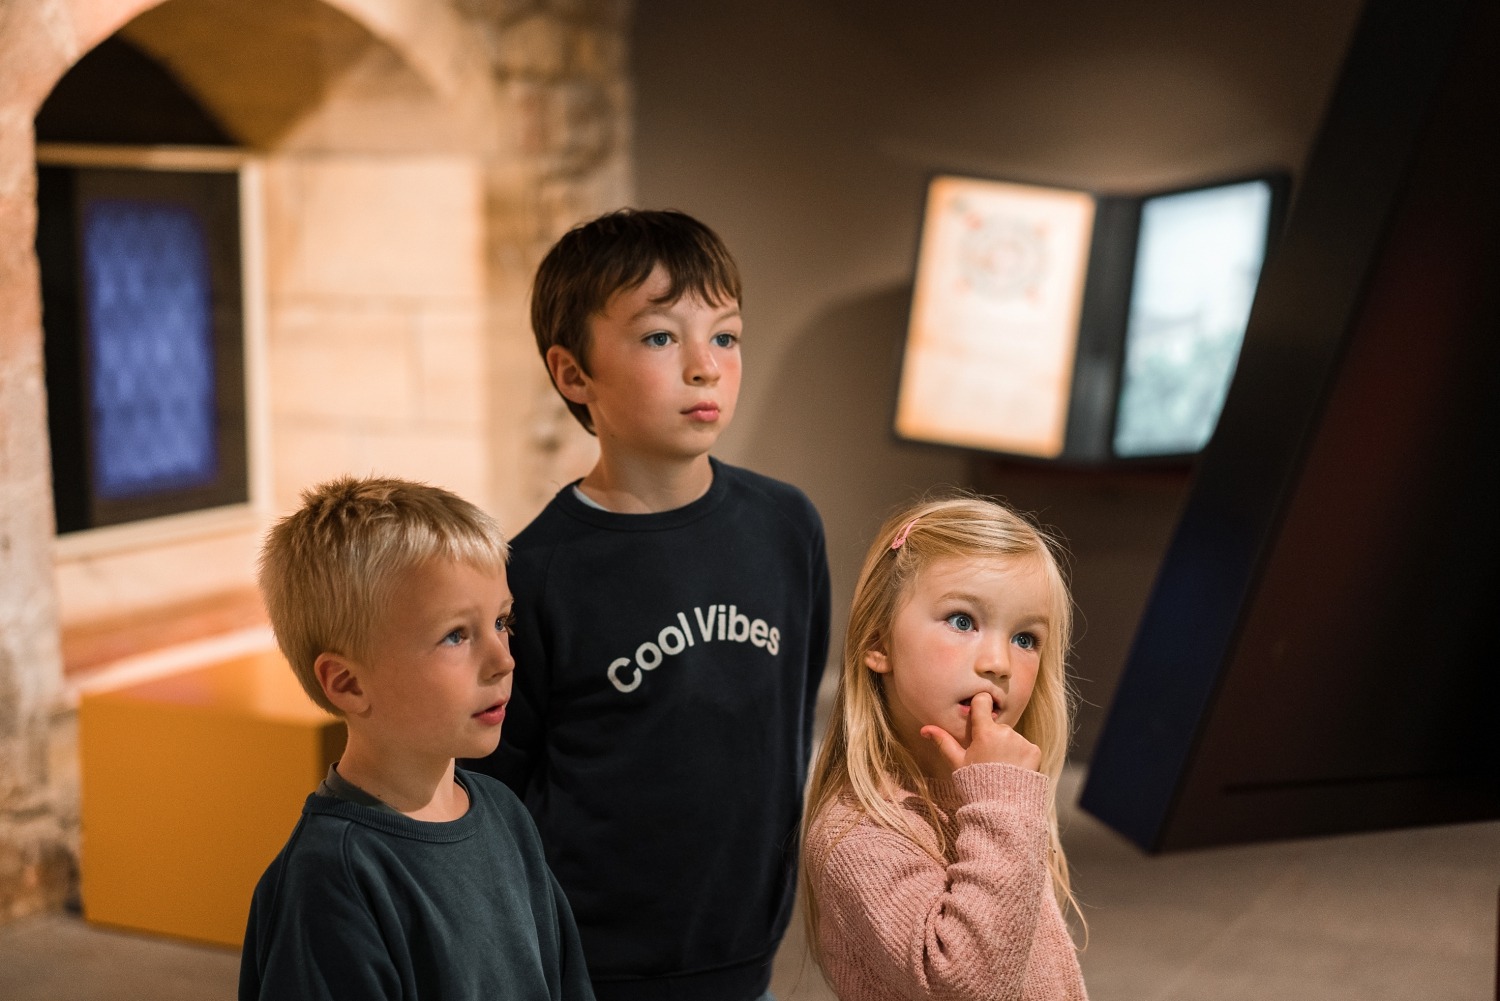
{"x": 667, "y": 667}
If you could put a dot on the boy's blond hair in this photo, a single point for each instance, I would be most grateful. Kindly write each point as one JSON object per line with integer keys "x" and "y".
{"x": 329, "y": 571}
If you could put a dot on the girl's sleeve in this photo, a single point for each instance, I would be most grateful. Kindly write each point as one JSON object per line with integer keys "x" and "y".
{"x": 964, "y": 931}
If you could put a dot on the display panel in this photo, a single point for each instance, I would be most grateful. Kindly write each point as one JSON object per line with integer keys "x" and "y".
{"x": 994, "y": 321}
{"x": 1079, "y": 328}
{"x": 142, "y": 305}
{"x": 148, "y": 305}
{"x": 1198, "y": 260}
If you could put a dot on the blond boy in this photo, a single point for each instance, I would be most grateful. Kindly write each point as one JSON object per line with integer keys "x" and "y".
{"x": 403, "y": 878}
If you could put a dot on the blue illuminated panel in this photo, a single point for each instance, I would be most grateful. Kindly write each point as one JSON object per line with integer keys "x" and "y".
{"x": 150, "y": 346}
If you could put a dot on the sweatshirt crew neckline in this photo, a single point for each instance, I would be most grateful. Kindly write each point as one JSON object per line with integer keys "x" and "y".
{"x": 397, "y": 823}
{"x": 656, "y": 521}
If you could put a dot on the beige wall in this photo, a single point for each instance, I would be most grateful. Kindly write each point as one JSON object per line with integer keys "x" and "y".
{"x": 805, "y": 132}
{"x": 376, "y": 336}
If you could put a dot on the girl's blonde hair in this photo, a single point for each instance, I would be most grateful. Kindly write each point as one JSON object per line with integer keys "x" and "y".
{"x": 861, "y": 758}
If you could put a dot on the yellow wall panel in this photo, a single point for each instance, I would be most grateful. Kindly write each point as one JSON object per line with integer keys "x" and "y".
{"x": 191, "y": 785}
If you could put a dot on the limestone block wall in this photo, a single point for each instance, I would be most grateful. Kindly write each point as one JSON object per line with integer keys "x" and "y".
{"x": 410, "y": 178}
{"x": 36, "y": 817}
{"x": 376, "y": 342}
{"x": 38, "y": 814}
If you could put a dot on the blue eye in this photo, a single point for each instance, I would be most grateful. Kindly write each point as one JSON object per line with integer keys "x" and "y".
{"x": 726, "y": 340}
{"x": 962, "y": 621}
{"x": 659, "y": 339}
{"x": 453, "y": 638}
{"x": 506, "y": 624}
{"x": 1027, "y": 641}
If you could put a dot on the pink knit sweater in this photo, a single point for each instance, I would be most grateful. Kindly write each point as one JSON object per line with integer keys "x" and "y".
{"x": 894, "y": 923}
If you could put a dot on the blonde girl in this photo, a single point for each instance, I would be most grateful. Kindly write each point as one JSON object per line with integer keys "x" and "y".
{"x": 931, "y": 862}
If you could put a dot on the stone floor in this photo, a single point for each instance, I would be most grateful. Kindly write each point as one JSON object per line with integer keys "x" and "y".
{"x": 1392, "y": 916}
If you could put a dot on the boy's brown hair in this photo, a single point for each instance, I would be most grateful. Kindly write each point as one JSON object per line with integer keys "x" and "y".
{"x": 329, "y": 571}
{"x": 615, "y": 253}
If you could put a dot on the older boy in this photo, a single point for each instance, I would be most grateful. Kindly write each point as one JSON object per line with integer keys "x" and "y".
{"x": 404, "y": 878}
{"x": 673, "y": 625}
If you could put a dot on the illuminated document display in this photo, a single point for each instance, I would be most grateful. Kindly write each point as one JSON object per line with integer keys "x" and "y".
{"x": 994, "y": 321}
{"x": 1048, "y": 323}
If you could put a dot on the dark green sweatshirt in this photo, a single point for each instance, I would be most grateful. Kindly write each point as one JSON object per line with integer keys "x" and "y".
{"x": 367, "y": 904}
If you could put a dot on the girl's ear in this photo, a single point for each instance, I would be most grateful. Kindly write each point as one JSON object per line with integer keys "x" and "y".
{"x": 877, "y": 662}
{"x": 568, "y": 376}
{"x": 339, "y": 678}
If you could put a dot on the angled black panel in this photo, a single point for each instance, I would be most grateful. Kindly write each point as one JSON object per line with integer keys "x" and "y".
{"x": 1316, "y": 655}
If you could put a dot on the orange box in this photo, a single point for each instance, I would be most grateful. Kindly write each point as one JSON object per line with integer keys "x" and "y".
{"x": 190, "y": 786}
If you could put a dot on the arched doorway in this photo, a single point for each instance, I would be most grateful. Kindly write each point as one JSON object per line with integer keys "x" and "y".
{"x": 413, "y": 162}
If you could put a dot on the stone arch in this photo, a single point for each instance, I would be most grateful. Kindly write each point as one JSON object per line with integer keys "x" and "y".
{"x": 269, "y": 67}
{"x": 536, "y": 97}
{"x": 44, "y": 39}
{"x": 331, "y": 109}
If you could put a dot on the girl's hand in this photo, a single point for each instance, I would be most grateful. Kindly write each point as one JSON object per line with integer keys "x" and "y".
{"x": 989, "y": 740}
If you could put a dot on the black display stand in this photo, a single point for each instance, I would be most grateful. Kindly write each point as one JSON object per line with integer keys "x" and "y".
{"x": 1317, "y": 654}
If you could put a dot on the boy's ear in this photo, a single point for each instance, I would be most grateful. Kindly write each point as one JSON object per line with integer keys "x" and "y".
{"x": 876, "y": 661}
{"x": 339, "y": 678}
{"x": 568, "y": 376}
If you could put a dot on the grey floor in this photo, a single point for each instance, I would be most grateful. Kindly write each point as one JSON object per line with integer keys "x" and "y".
{"x": 1400, "y": 915}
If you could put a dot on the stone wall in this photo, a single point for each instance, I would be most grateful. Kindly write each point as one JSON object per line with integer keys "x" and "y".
{"x": 564, "y": 156}
{"x": 412, "y": 178}
{"x": 36, "y": 818}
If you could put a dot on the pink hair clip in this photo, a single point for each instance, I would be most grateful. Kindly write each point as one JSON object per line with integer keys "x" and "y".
{"x": 900, "y": 539}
